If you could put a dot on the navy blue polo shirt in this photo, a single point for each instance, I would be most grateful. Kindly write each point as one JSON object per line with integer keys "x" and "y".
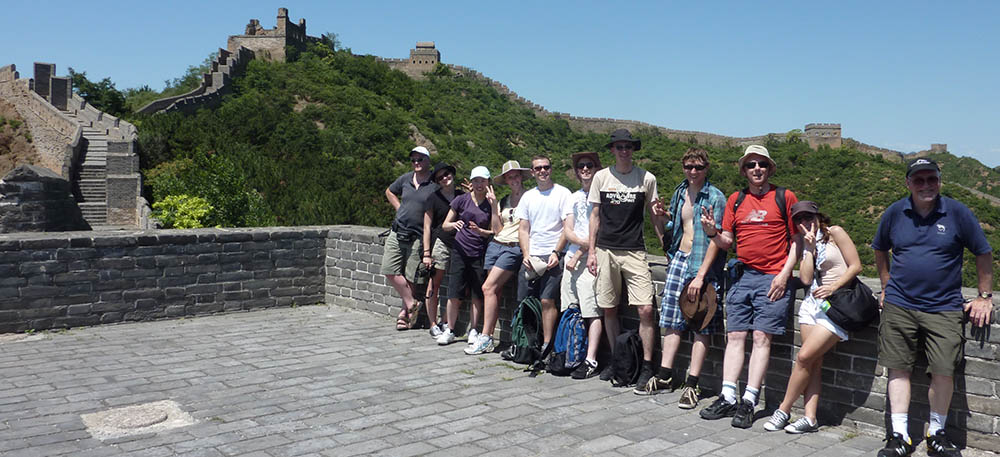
{"x": 926, "y": 269}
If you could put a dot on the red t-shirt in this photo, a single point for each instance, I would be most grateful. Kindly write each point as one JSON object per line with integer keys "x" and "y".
{"x": 761, "y": 241}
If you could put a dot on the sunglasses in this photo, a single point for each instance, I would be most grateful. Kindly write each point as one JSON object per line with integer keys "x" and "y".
{"x": 690, "y": 167}
{"x": 753, "y": 163}
{"x": 443, "y": 175}
{"x": 542, "y": 167}
{"x": 582, "y": 165}
{"x": 928, "y": 181}
{"x": 625, "y": 147}
{"x": 417, "y": 159}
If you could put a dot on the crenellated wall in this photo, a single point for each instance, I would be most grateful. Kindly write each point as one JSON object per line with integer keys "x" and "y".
{"x": 59, "y": 280}
{"x": 57, "y": 136}
{"x": 215, "y": 84}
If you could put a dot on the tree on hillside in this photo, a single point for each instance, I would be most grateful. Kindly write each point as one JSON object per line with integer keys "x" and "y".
{"x": 101, "y": 94}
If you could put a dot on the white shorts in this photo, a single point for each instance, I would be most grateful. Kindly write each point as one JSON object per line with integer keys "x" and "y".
{"x": 811, "y": 314}
{"x": 579, "y": 287}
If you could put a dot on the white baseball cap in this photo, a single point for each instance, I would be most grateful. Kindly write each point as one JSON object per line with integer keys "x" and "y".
{"x": 421, "y": 150}
{"x": 480, "y": 172}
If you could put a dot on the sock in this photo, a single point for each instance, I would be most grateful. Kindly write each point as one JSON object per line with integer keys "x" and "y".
{"x": 750, "y": 395}
{"x": 677, "y": 375}
{"x": 729, "y": 391}
{"x": 665, "y": 373}
{"x": 899, "y": 425}
{"x": 692, "y": 381}
{"x": 937, "y": 423}
{"x": 648, "y": 365}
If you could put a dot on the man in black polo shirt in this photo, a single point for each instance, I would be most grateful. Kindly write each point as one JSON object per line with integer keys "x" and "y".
{"x": 922, "y": 305}
{"x": 403, "y": 247}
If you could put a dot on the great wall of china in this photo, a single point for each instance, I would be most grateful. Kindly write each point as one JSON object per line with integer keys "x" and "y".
{"x": 67, "y": 279}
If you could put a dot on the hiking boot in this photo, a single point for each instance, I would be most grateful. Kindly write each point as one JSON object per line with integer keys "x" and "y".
{"x": 939, "y": 444}
{"x": 689, "y": 397}
{"x": 645, "y": 376}
{"x": 897, "y": 446}
{"x": 608, "y": 372}
{"x": 585, "y": 370}
{"x": 446, "y": 338}
{"x": 472, "y": 337}
{"x": 438, "y": 329}
{"x": 718, "y": 409}
{"x": 778, "y": 421}
{"x": 654, "y": 386}
{"x": 481, "y": 345}
{"x": 743, "y": 417}
{"x": 803, "y": 425}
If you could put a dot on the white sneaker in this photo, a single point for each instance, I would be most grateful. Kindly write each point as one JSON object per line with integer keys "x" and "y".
{"x": 482, "y": 345}
{"x": 447, "y": 337}
{"x": 437, "y": 330}
{"x": 472, "y": 337}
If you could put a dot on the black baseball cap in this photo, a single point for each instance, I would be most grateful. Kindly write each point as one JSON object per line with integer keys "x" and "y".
{"x": 921, "y": 164}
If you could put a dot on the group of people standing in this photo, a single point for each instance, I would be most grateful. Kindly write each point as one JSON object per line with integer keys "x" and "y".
{"x": 587, "y": 249}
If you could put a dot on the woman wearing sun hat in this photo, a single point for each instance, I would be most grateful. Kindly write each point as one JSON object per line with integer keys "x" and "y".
{"x": 503, "y": 256}
{"x": 438, "y": 243}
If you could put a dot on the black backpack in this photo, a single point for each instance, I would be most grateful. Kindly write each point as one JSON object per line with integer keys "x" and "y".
{"x": 526, "y": 333}
{"x": 628, "y": 359}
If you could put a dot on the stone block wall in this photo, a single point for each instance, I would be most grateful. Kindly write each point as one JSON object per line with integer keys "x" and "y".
{"x": 36, "y": 199}
{"x": 58, "y": 280}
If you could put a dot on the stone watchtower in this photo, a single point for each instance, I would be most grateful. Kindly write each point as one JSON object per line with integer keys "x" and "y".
{"x": 424, "y": 57}
{"x": 269, "y": 44}
{"x": 828, "y": 134}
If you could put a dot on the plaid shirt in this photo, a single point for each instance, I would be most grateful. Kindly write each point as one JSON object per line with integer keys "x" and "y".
{"x": 709, "y": 197}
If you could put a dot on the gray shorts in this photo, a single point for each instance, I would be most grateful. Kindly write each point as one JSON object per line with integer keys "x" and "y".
{"x": 545, "y": 287}
{"x": 748, "y": 308}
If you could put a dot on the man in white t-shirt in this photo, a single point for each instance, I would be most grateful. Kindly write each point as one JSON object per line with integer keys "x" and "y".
{"x": 542, "y": 211}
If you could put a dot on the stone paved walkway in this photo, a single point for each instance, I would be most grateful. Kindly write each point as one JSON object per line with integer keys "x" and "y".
{"x": 328, "y": 381}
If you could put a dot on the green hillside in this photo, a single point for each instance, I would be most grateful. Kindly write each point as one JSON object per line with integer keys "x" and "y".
{"x": 317, "y": 140}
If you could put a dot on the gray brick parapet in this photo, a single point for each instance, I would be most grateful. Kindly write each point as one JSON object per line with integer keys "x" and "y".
{"x": 59, "y": 280}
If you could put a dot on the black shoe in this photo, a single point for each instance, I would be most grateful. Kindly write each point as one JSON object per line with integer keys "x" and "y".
{"x": 585, "y": 371}
{"x": 718, "y": 409}
{"x": 645, "y": 374}
{"x": 896, "y": 446}
{"x": 939, "y": 444}
{"x": 608, "y": 372}
{"x": 743, "y": 418}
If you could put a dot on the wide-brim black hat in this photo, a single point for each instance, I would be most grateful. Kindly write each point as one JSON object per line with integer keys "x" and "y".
{"x": 624, "y": 135}
{"x": 441, "y": 167}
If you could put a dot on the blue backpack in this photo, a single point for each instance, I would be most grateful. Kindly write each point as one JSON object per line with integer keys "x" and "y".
{"x": 569, "y": 349}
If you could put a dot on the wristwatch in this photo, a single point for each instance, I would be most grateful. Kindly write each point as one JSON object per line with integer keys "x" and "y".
{"x": 986, "y": 295}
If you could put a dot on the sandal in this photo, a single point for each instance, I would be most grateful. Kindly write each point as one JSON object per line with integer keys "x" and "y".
{"x": 403, "y": 320}
{"x": 415, "y": 314}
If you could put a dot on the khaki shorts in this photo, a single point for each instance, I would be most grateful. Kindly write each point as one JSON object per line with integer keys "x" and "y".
{"x": 578, "y": 287}
{"x": 401, "y": 258}
{"x": 441, "y": 255}
{"x": 615, "y": 264}
{"x": 902, "y": 331}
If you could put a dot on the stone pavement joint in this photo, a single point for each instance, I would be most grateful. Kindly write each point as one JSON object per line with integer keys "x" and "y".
{"x": 330, "y": 381}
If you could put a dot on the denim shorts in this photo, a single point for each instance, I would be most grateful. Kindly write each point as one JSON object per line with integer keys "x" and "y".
{"x": 748, "y": 308}
{"x": 503, "y": 257}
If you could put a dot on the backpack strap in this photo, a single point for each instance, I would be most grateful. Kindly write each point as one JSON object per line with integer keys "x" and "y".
{"x": 779, "y": 199}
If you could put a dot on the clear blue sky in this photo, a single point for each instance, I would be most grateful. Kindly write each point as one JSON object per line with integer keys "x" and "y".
{"x": 899, "y": 74}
